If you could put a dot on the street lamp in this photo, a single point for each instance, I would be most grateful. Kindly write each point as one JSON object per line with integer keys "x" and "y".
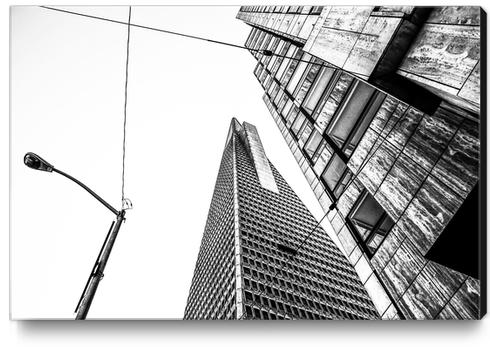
{"x": 34, "y": 161}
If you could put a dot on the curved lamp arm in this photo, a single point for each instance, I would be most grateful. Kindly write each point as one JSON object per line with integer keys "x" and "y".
{"x": 94, "y": 194}
{"x": 34, "y": 161}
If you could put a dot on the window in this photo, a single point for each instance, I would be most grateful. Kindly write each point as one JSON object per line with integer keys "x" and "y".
{"x": 293, "y": 82}
{"x": 292, "y": 115}
{"x": 351, "y": 111}
{"x": 366, "y": 120}
{"x": 327, "y": 107}
{"x": 306, "y": 82}
{"x": 334, "y": 171}
{"x": 278, "y": 61}
{"x": 336, "y": 175}
{"x": 317, "y": 90}
{"x": 342, "y": 183}
{"x": 287, "y": 108}
{"x": 248, "y": 295}
{"x": 313, "y": 143}
{"x": 371, "y": 222}
{"x": 304, "y": 133}
{"x": 278, "y": 97}
{"x": 282, "y": 102}
{"x": 260, "y": 38}
{"x": 292, "y": 66}
{"x": 298, "y": 123}
{"x": 248, "y": 309}
{"x": 285, "y": 62}
{"x": 321, "y": 157}
{"x": 357, "y": 111}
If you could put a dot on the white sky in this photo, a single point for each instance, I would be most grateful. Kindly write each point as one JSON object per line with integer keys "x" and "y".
{"x": 67, "y": 96}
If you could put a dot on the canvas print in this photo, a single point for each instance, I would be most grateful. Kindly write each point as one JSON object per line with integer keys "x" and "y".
{"x": 257, "y": 162}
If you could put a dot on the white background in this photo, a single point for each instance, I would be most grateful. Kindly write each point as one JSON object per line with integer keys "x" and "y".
{"x": 83, "y": 222}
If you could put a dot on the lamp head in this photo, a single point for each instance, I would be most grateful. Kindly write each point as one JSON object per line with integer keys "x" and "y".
{"x": 34, "y": 161}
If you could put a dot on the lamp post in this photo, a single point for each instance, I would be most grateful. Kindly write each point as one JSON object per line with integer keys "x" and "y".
{"x": 34, "y": 161}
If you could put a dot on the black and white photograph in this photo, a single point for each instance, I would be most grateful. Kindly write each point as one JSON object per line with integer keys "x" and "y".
{"x": 248, "y": 162}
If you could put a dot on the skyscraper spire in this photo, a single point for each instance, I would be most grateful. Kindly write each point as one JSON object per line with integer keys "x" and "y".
{"x": 263, "y": 255}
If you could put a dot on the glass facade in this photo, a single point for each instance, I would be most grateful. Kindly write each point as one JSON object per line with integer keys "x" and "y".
{"x": 383, "y": 151}
{"x": 318, "y": 101}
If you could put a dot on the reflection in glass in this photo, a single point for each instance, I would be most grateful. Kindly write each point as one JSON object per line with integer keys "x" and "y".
{"x": 313, "y": 143}
{"x": 321, "y": 158}
{"x": 292, "y": 115}
{"x": 317, "y": 90}
{"x": 325, "y": 113}
{"x": 366, "y": 120}
{"x": 306, "y": 84}
{"x": 279, "y": 60}
{"x": 371, "y": 221}
{"x": 278, "y": 97}
{"x": 275, "y": 90}
{"x": 346, "y": 119}
{"x": 287, "y": 107}
{"x": 285, "y": 62}
{"x": 375, "y": 241}
{"x": 298, "y": 123}
{"x": 386, "y": 225}
{"x": 368, "y": 213}
{"x": 293, "y": 82}
{"x": 334, "y": 172}
{"x": 294, "y": 62}
{"x": 282, "y": 102}
{"x": 341, "y": 186}
{"x": 304, "y": 133}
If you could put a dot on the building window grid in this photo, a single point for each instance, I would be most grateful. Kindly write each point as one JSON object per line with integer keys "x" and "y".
{"x": 253, "y": 218}
{"x": 302, "y": 285}
{"x": 345, "y": 284}
{"x": 345, "y": 176}
{"x": 218, "y": 264}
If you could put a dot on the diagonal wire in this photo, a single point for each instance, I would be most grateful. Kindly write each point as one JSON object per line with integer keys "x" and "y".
{"x": 144, "y": 27}
{"x": 262, "y": 51}
{"x": 125, "y": 110}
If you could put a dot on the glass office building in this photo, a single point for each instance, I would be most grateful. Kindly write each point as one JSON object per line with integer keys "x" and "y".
{"x": 380, "y": 106}
{"x": 263, "y": 255}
